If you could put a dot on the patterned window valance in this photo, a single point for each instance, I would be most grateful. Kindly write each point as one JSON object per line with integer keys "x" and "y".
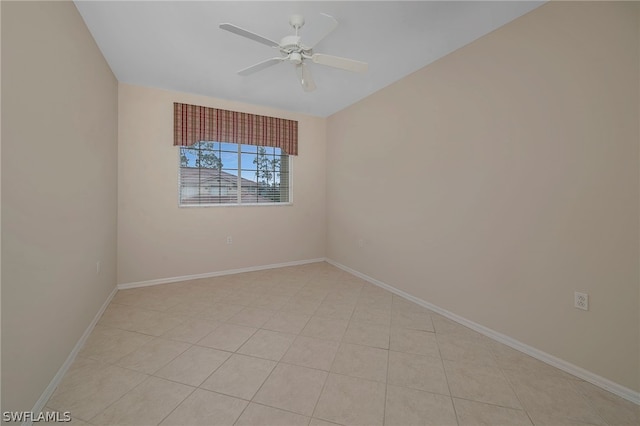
{"x": 194, "y": 123}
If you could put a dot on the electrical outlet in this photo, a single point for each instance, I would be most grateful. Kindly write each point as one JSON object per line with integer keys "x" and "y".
{"x": 360, "y": 242}
{"x": 98, "y": 267}
{"x": 229, "y": 240}
{"x": 581, "y": 300}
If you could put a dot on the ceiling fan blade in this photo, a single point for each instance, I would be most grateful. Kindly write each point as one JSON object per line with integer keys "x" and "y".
{"x": 329, "y": 30}
{"x": 260, "y": 66}
{"x": 304, "y": 75}
{"x": 248, "y": 34}
{"x": 337, "y": 62}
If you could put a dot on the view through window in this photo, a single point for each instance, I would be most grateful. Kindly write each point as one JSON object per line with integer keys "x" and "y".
{"x": 214, "y": 173}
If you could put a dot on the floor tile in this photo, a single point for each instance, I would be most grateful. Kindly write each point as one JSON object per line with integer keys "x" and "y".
{"x": 310, "y": 294}
{"x": 193, "y": 366}
{"x": 367, "y": 334}
{"x": 153, "y": 355}
{"x": 128, "y": 297}
{"x": 459, "y": 348}
{"x": 144, "y": 321}
{"x": 442, "y": 325}
{"x": 318, "y": 422}
{"x": 371, "y": 291}
{"x": 240, "y": 298}
{"x": 270, "y": 302}
{"x": 91, "y": 386}
{"x": 191, "y": 308}
{"x": 227, "y": 337}
{"x": 550, "y": 419}
{"x": 240, "y": 376}
{"x": 480, "y": 383}
{"x": 149, "y": 403}
{"x": 221, "y": 311}
{"x": 552, "y": 396}
{"x": 301, "y": 305}
{"x": 372, "y": 315}
{"x": 206, "y": 408}
{"x": 283, "y": 291}
{"x": 191, "y": 330}
{"x": 211, "y": 297}
{"x": 400, "y": 304}
{"x": 361, "y": 361}
{"x": 267, "y": 344}
{"x": 476, "y": 413}
{"x": 110, "y": 344}
{"x": 417, "y": 372}
{"x": 375, "y": 303}
{"x": 412, "y": 320}
{"x": 253, "y": 287}
{"x": 325, "y": 328}
{"x": 613, "y": 409}
{"x": 157, "y": 324}
{"x": 126, "y": 317}
{"x": 342, "y": 296}
{"x": 260, "y": 415}
{"x": 408, "y": 407}
{"x": 251, "y": 317}
{"x": 287, "y": 322}
{"x": 351, "y": 401}
{"x": 414, "y": 341}
{"x": 292, "y": 388}
{"x": 511, "y": 359}
{"x": 311, "y": 352}
{"x": 334, "y": 310}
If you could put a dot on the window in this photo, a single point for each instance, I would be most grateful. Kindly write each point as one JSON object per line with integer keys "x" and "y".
{"x": 217, "y": 173}
{"x": 231, "y": 157}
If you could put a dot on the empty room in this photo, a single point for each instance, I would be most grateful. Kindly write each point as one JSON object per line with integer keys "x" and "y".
{"x": 320, "y": 213}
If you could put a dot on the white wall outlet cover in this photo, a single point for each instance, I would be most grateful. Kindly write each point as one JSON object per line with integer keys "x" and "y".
{"x": 581, "y": 300}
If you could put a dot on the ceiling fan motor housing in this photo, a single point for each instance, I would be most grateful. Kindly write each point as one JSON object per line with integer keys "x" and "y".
{"x": 290, "y": 43}
{"x": 290, "y": 46}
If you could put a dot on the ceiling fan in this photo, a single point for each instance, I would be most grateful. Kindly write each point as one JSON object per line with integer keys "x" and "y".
{"x": 293, "y": 50}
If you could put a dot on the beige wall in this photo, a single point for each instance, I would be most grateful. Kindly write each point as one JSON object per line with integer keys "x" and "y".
{"x": 59, "y": 116}
{"x": 157, "y": 239}
{"x": 498, "y": 180}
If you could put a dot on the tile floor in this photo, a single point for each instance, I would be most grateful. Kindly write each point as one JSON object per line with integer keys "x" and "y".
{"x": 309, "y": 345}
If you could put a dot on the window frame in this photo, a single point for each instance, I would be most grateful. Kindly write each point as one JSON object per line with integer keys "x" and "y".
{"x": 236, "y": 204}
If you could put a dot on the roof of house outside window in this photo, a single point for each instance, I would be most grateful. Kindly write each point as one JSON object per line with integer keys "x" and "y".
{"x": 205, "y": 177}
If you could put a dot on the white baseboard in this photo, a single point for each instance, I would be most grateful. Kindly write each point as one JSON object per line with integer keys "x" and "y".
{"x": 40, "y": 404}
{"x": 216, "y": 274}
{"x": 604, "y": 383}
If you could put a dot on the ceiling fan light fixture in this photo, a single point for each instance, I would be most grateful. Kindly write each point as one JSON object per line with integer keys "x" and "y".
{"x": 295, "y": 57}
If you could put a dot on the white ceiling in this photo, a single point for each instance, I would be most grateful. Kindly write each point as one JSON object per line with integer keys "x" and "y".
{"x": 177, "y": 45}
